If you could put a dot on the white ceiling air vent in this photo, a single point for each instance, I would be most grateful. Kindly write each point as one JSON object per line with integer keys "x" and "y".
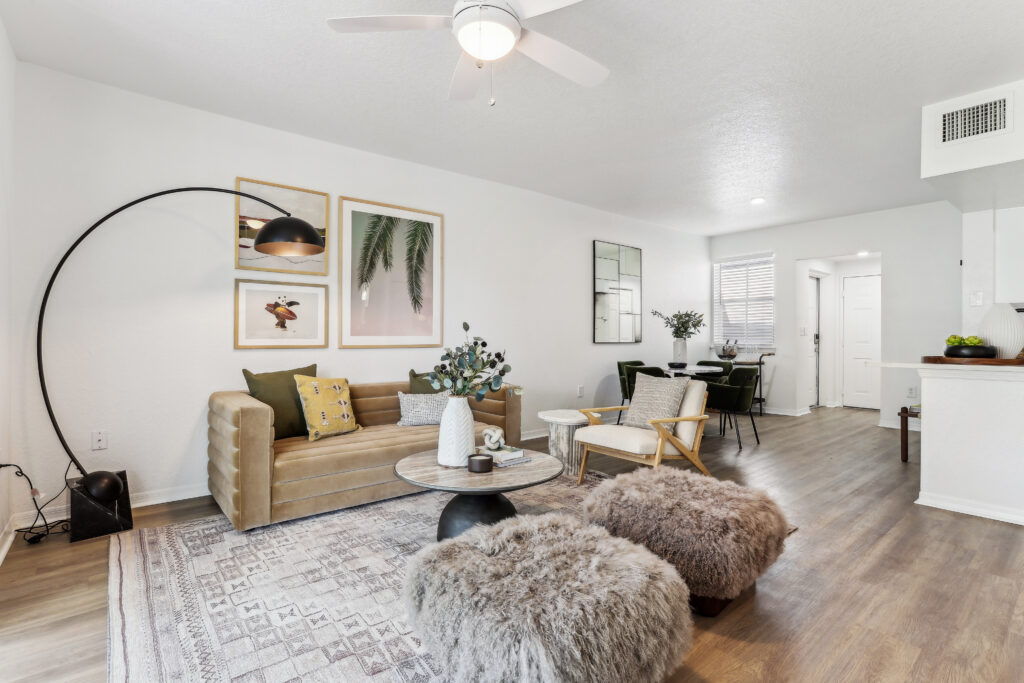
{"x": 972, "y": 148}
{"x": 969, "y": 122}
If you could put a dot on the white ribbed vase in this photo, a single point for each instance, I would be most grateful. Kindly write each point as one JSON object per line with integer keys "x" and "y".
{"x": 455, "y": 439}
{"x": 679, "y": 351}
{"x": 1003, "y": 327}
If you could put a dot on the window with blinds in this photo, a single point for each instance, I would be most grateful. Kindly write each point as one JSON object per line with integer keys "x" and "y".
{"x": 744, "y": 301}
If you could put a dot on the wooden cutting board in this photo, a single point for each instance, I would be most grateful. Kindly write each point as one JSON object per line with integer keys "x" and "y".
{"x": 942, "y": 360}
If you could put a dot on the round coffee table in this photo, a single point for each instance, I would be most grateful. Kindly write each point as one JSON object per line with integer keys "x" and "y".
{"x": 478, "y": 498}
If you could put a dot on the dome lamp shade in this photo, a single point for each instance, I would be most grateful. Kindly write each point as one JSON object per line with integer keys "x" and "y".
{"x": 288, "y": 236}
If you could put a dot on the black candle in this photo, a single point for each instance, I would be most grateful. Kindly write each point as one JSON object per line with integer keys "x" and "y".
{"x": 480, "y": 463}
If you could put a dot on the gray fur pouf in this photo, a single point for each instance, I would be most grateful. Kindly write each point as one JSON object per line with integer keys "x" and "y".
{"x": 548, "y": 598}
{"x": 719, "y": 535}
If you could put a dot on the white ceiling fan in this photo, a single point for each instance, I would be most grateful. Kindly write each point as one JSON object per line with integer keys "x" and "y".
{"x": 488, "y": 30}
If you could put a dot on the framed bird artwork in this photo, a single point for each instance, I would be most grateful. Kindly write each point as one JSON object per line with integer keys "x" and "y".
{"x": 280, "y": 315}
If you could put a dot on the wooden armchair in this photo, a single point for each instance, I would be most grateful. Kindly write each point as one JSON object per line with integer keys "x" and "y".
{"x": 673, "y": 438}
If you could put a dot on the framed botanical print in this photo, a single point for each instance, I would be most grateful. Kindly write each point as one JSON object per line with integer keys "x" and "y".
{"x": 280, "y": 315}
{"x": 390, "y": 272}
{"x": 618, "y": 292}
{"x": 250, "y": 215}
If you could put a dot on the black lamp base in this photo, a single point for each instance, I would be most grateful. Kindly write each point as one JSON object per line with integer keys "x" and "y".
{"x": 91, "y": 518}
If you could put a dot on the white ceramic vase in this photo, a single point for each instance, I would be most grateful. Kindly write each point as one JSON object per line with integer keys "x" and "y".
{"x": 456, "y": 440}
{"x": 679, "y": 351}
{"x": 1003, "y": 327}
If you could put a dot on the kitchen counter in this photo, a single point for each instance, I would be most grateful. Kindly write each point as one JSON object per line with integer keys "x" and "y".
{"x": 972, "y": 439}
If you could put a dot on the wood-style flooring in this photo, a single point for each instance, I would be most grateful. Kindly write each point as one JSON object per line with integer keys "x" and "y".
{"x": 871, "y": 588}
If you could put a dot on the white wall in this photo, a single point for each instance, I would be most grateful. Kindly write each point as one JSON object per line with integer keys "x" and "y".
{"x": 7, "y": 76}
{"x": 139, "y": 329}
{"x": 920, "y": 251}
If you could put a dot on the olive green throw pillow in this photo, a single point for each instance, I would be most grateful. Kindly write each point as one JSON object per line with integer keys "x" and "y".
{"x": 278, "y": 390}
{"x": 419, "y": 383}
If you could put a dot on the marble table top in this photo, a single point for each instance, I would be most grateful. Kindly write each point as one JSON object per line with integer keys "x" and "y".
{"x": 422, "y": 469}
{"x": 563, "y": 417}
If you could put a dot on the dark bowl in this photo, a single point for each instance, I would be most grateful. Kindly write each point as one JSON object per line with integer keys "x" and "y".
{"x": 677, "y": 366}
{"x": 970, "y": 352}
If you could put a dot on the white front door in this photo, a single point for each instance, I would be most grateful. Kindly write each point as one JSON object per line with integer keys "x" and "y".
{"x": 862, "y": 341}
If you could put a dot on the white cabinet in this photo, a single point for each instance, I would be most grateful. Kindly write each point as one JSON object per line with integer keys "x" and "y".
{"x": 1009, "y": 255}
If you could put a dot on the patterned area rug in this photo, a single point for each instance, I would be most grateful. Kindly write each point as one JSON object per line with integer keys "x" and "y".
{"x": 316, "y": 599}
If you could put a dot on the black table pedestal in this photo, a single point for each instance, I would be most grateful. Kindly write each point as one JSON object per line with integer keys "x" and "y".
{"x": 463, "y": 511}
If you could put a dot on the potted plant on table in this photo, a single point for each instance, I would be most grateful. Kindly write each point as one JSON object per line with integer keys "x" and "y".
{"x": 467, "y": 370}
{"x": 683, "y": 325}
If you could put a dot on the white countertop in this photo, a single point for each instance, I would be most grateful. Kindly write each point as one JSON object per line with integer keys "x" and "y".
{"x": 1012, "y": 370}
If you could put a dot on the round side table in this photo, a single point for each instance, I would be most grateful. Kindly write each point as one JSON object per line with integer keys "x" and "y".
{"x": 562, "y": 426}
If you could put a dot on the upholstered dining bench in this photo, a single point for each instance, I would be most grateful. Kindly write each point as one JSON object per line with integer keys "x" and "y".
{"x": 258, "y": 480}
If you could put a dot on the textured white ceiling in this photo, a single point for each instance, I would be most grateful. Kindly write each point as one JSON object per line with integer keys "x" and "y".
{"x": 813, "y": 104}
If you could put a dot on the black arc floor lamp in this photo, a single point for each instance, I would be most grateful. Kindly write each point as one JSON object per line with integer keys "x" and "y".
{"x": 99, "y": 499}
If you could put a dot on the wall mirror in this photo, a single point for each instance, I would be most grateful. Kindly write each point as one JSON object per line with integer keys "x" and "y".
{"x": 617, "y": 293}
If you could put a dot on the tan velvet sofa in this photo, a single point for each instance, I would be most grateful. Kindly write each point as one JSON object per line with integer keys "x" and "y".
{"x": 258, "y": 481}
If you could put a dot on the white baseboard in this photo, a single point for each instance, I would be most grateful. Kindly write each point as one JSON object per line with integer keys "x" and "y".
{"x": 914, "y": 424}
{"x": 971, "y": 507}
{"x": 7, "y": 538}
{"x": 167, "y": 495}
{"x": 788, "y": 412}
{"x": 533, "y": 434}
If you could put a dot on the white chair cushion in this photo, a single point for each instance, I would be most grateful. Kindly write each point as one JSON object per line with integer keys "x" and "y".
{"x": 693, "y": 401}
{"x": 622, "y": 438}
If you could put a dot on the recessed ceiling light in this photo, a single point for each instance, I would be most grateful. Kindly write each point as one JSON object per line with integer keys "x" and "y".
{"x": 862, "y": 254}
{"x": 757, "y": 201}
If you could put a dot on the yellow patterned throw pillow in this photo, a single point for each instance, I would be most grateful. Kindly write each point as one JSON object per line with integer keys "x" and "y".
{"x": 327, "y": 405}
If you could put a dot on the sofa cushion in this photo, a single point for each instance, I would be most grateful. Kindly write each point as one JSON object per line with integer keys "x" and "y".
{"x": 326, "y": 406}
{"x": 298, "y": 458}
{"x": 422, "y": 409}
{"x": 277, "y": 390}
{"x": 622, "y": 438}
{"x": 419, "y": 383}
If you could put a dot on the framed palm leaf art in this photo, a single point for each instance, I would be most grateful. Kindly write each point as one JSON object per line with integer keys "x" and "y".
{"x": 391, "y": 275}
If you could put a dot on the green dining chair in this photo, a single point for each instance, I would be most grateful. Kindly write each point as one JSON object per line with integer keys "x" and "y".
{"x": 717, "y": 379}
{"x": 733, "y": 398}
{"x": 623, "y": 383}
{"x": 633, "y": 370}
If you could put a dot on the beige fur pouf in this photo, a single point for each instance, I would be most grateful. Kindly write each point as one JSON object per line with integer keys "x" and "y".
{"x": 547, "y": 598}
{"x": 719, "y": 535}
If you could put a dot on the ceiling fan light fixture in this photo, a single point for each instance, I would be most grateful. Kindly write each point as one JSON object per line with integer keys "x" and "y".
{"x": 486, "y": 32}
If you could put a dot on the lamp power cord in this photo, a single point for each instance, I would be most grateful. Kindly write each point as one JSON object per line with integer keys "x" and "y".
{"x": 40, "y": 527}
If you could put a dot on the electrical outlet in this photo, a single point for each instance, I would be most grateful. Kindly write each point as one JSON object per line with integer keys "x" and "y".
{"x": 579, "y": 391}
{"x": 912, "y": 392}
{"x": 99, "y": 441}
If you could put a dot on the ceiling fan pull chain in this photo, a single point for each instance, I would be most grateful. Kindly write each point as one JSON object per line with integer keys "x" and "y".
{"x": 492, "y": 101}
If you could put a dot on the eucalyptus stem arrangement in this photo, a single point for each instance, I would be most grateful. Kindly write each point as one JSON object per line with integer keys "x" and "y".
{"x": 470, "y": 369}
{"x": 683, "y": 324}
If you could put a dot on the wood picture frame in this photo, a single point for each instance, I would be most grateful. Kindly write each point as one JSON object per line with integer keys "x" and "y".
{"x": 265, "y": 309}
{"x": 389, "y": 299}
{"x": 312, "y": 206}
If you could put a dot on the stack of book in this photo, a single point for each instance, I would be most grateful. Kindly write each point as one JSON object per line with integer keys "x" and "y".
{"x": 505, "y": 456}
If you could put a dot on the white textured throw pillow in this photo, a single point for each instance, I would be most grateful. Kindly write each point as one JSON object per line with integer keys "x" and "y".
{"x": 421, "y": 409}
{"x": 655, "y": 398}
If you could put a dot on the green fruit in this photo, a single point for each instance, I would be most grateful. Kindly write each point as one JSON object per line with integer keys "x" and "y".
{"x": 954, "y": 340}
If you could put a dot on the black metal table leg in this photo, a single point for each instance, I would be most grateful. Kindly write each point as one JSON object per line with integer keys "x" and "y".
{"x": 465, "y": 511}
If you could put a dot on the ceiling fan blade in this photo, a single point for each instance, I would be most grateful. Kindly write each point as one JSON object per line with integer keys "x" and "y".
{"x": 390, "y": 22}
{"x": 562, "y": 59}
{"x": 466, "y": 80}
{"x": 533, "y": 8}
